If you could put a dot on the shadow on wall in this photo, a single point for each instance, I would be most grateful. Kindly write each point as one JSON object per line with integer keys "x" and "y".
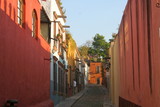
{"x": 10, "y": 12}
{"x": 24, "y": 72}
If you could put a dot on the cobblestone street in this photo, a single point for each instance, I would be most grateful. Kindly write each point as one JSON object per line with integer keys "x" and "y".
{"x": 95, "y": 96}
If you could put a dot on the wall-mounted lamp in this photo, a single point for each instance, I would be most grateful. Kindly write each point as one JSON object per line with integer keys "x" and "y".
{"x": 53, "y": 39}
{"x": 48, "y": 59}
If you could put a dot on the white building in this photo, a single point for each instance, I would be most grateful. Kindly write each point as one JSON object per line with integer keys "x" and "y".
{"x": 86, "y": 76}
{"x": 57, "y": 38}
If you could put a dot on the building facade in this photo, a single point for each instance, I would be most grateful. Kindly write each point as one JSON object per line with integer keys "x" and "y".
{"x": 75, "y": 66}
{"x": 138, "y": 48}
{"x": 86, "y": 72}
{"x": 38, "y": 59}
{"x": 59, "y": 63}
{"x": 71, "y": 44}
{"x": 95, "y": 73}
{"x": 114, "y": 72}
{"x": 24, "y": 54}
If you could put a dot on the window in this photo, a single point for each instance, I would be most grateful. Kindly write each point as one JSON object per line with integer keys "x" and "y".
{"x": 98, "y": 80}
{"x": 55, "y": 76}
{"x": 34, "y": 24}
{"x": 20, "y": 12}
{"x": 60, "y": 47}
{"x": 45, "y": 26}
{"x": 97, "y": 69}
{"x": 62, "y": 81}
{"x": 59, "y": 80}
{"x": 55, "y": 42}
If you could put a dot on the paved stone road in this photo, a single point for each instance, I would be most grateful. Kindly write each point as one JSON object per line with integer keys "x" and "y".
{"x": 95, "y": 96}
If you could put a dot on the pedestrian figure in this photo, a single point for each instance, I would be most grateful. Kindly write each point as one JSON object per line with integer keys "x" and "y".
{"x": 74, "y": 86}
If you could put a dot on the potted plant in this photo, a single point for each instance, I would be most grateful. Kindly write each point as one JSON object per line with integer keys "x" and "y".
{"x": 59, "y": 53}
{"x": 59, "y": 36}
{"x": 64, "y": 44}
{"x": 54, "y": 49}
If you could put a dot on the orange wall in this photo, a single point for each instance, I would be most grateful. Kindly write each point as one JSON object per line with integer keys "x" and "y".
{"x": 93, "y": 73}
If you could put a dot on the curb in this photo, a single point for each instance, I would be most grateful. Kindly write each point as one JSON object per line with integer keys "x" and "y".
{"x": 85, "y": 90}
{"x": 68, "y": 102}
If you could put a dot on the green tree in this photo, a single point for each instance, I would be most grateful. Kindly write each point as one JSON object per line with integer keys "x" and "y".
{"x": 84, "y": 49}
{"x": 99, "y": 49}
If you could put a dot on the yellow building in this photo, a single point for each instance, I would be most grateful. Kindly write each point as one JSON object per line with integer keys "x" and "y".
{"x": 70, "y": 56}
{"x": 74, "y": 59}
{"x": 114, "y": 72}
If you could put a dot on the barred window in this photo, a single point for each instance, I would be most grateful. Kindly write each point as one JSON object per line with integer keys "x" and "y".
{"x": 34, "y": 24}
{"x": 20, "y": 12}
{"x": 98, "y": 69}
{"x": 59, "y": 80}
{"x": 55, "y": 76}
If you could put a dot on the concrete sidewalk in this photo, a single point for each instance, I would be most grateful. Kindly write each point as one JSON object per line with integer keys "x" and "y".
{"x": 68, "y": 102}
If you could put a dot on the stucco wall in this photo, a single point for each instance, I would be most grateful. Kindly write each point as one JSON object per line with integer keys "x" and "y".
{"x": 114, "y": 50}
{"x": 24, "y": 70}
{"x": 93, "y": 73}
{"x": 139, "y": 53}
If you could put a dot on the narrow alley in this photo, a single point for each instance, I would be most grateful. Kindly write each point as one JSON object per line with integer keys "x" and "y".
{"x": 95, "y": 96}
{"x": 92, "y": 96}
{"x": 44, "y": 63}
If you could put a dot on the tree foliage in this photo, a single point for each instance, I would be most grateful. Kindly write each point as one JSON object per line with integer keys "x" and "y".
{"x": 96, "y": 50}
{"x": 71, "y": 47}
{"x": 84, "y": 49}
{"x": 99, "y": 48}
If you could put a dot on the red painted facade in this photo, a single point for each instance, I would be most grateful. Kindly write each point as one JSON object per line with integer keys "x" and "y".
{"x": 24, "y": 68}
{"x": 139, "y": 41}
{"x": 95, "y": 75}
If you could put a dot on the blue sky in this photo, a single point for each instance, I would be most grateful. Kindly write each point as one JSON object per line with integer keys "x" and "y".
{"x": 88, "y": 17}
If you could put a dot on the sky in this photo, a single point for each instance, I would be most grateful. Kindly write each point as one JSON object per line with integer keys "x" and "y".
{"x": 86, "y": 18}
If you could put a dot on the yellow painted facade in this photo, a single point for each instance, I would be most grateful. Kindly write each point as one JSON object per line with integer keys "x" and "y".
{"x": 71, "y": 56}
{"x": 114, "y": 72}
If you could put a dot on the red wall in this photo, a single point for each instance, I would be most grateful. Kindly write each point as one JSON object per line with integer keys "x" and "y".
{"x": 139, "y": 53}
{"x": 24, "y": 74}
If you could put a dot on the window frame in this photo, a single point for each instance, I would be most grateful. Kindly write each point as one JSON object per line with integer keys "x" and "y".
{"x": 34, "y": 24}
{"x": 97, "y": 69}
{"x": 59, "y": 79}
{"x": 20, "y": 12}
